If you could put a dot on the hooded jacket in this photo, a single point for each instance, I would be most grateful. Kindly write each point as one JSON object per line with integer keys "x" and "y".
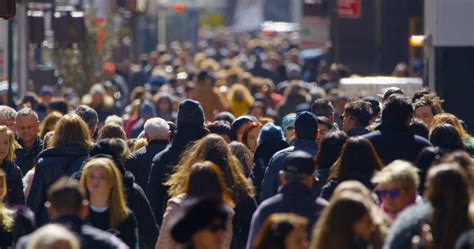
{"x": 51, "y": 164}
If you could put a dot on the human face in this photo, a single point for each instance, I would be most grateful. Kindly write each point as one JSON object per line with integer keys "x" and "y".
{"x": 210, "y": 237}
{"x": 240, "y": 132}
{"x": 164, "y": 106}
{"x": 346, "y": 122}
{"x": 424, "y": 113}
{"x": 363, "y": 227}
{"x": 10, "y": 123}
{"x": 27, "y": 128}
{"x": 97, "y": 183}
{"x": 4, "y": 145}
{"x": 394, "y": 197}
{"x": 323, "y": 130}
{"x": 296, "y": 239}
{"x": 290, "y": 131}
{"x": 252, "y": 139}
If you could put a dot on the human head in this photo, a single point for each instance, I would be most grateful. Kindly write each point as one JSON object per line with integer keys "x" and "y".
{"x": 250, "y": 135}
{"x": 288, "y": 126}
{"x": 116, "y": 148}
{"x": 222, "y": 128}
{"x": 354, "y": 151}
{"x": 347, "y": 218}
{"x": 418, "y": 127}
{"x": 71, "y": 130}
{"x": 324, "y": 127}
{"x": 396, "y": 185}
{"x": 7, "y": 144}
{"x": 323, "y": 107}
{"x": 391, "y": 91}
{"x": 238, "y": 126}
{"x": 270, "y": 132}
{"x": 449, "y": 119}
{"x": 243, "y": 154}
{"x": 89, "y": 116}
{"x": 397, "y": 109}
{"x": 357, "y": 114}
{"x": 100, "y": 177}
{"x": 306, "y": 126}
{"x": 446, "y": 137}
{"x": 190, "y": 114}
{"x": 27, "y": 125}
{"x": 374, "y": 106}
{"x": 330, "y": 149}
{"x": 205, "y": 78}
{"x": 8, "y": 117}
{"x": 202, "y": 225}
{"x": 58, "y": 105}
{"x": 157, "y": 129}
{"x": 206, "y": 179}
{"x": 448, "y": 191}
{"x": 147, "y": 110}
{"x": 49, "y": 123}
{"x": 67, "y": 197}
{"x": 114, "y": 119}
{"x": 427, "y": 107}
{"x": 53, "y": 236}
{"x": 298, "y": 167}
{"x": 225, "y": 116}
{"x": 111, "y": 131}
{"x": 215, "y": 149}
{"x": 282, "y": 230}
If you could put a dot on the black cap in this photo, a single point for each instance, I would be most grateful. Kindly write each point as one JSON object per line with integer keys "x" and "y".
{"x": 299, "y": 163}
{"x": 190, "y": 114}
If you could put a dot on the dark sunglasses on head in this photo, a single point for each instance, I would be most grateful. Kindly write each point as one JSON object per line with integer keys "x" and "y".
{"x": 216, "y": 227}
{"x": 392, "y": 193}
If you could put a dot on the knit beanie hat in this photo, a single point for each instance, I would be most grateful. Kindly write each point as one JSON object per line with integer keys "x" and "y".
{"x": 270, "y": 132}
{"x": 306, "y": 125}
{"x": 147, "y": 108}
{"x": 190, "y": 114}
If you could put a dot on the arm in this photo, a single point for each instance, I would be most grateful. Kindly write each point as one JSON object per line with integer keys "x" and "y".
{"x": 164, "y": 240}
{"x": 36, "y": 197}
{"x": 147, "y": 227}
{"x": 15, "y": 185}
{"x": 270, "y": 179}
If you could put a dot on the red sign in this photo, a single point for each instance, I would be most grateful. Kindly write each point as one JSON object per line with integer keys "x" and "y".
{"x": 349, "y": 8}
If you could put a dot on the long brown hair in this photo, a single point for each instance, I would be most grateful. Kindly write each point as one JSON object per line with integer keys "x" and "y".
{"x": 276, "y": 229}
{"x": 334, "y": 229}
{"x": 449, "y": 194}
{"x": 50, "y": 120}
{"x": 71, "y": 130}
{"x": 358, "y": 154}
{"x": 215, "y": 149}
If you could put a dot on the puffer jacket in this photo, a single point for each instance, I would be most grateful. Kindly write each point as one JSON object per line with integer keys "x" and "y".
{"x": 51, "y": 164}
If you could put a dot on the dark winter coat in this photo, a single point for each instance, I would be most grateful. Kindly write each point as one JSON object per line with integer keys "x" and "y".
{"x": 25, "y": 157}
{"x": 363, "y": 177}
{"x": 89, "y": 236}
{"x": 15, "y": 194}
{"x": 392, "y": 142}
{"x": 271, "y": 180}
{"x": 291, "y": 198}
{"x": 163, "y": 165}
{"x": 262, "y": 157}
{"x": 241, "y": 222}
{"x": 139, "y": 163}
{"x": 50, "y": 166}
{"x": 23, "y": 224}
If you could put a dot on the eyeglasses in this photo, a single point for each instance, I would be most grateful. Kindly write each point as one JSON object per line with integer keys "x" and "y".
{"x": 290, "y": 128}
{"x": 216, "y": 227}
{"x": 392, "y": 193}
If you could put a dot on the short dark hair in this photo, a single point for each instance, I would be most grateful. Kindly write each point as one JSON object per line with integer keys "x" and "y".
{"x": 220, "y": 127}
{"x": 322, "y": 107}
{"x": 88, "y": 114}
{"x": 66, "y": 196}
{"x": 397, "y": 108}
{"x": 429, "y": 100}
{"x": 418, "y": 127}
{"x": 59, "y": 105}
{"x": 359, "y": 110}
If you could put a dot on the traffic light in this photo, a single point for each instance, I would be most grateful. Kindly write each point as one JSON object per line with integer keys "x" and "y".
{"x": 7, "y": 8}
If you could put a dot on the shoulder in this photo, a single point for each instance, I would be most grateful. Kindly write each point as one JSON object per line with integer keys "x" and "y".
{"x": 422, "y": 141}
{"x": 97, "y": 236}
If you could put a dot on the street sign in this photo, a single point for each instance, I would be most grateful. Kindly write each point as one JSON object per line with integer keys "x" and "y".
{"x": 349, "y": 8}
{"x": 315, "y": 32}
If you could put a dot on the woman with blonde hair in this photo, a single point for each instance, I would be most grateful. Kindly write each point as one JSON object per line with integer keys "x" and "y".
{"x": 205, "y": 179}
{"x": 49, "y": 123}
{"x": 240, "y": 100}
{"x": 70, "y": 146}
{"x": 215, "y": 149}
{"x": 451, "y": 119}
{"x": 15, "y": 195}
{"x": 108, "y": 207}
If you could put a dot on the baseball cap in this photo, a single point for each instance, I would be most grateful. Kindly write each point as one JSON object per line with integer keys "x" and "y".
{"x": 298, "y": 163}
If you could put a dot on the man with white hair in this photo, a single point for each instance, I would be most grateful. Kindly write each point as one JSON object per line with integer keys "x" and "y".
{"x": 157, "y": 134}
{"x": 27, "y": 127}
{"x": 7, "y": 117}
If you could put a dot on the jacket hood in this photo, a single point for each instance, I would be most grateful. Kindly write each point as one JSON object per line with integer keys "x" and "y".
{"x": 64, "y": 151}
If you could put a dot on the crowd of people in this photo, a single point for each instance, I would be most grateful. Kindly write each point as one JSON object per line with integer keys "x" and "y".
{"x": 246, "y": 144}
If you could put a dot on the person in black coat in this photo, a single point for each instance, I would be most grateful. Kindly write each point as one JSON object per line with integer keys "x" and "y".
{"x": 14, "y": 195}
{"x": 70, "y": 144}
{"x": 349, "y": 166}
{"x": 136, "y": 200}
{"x": 393, "y": 140}
{"x": 67, "y": 207}
{"x": 270, "y": 141}
{"x": 190, "y": 128}
{"x": 139, "y": 163}
{"x": 27, "y": 127}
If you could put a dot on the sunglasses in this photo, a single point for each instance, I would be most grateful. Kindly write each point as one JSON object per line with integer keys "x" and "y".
{"x": 216, "y": 227}
{"x": 392, "y": 193}
{"x": 290, "y": 128}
